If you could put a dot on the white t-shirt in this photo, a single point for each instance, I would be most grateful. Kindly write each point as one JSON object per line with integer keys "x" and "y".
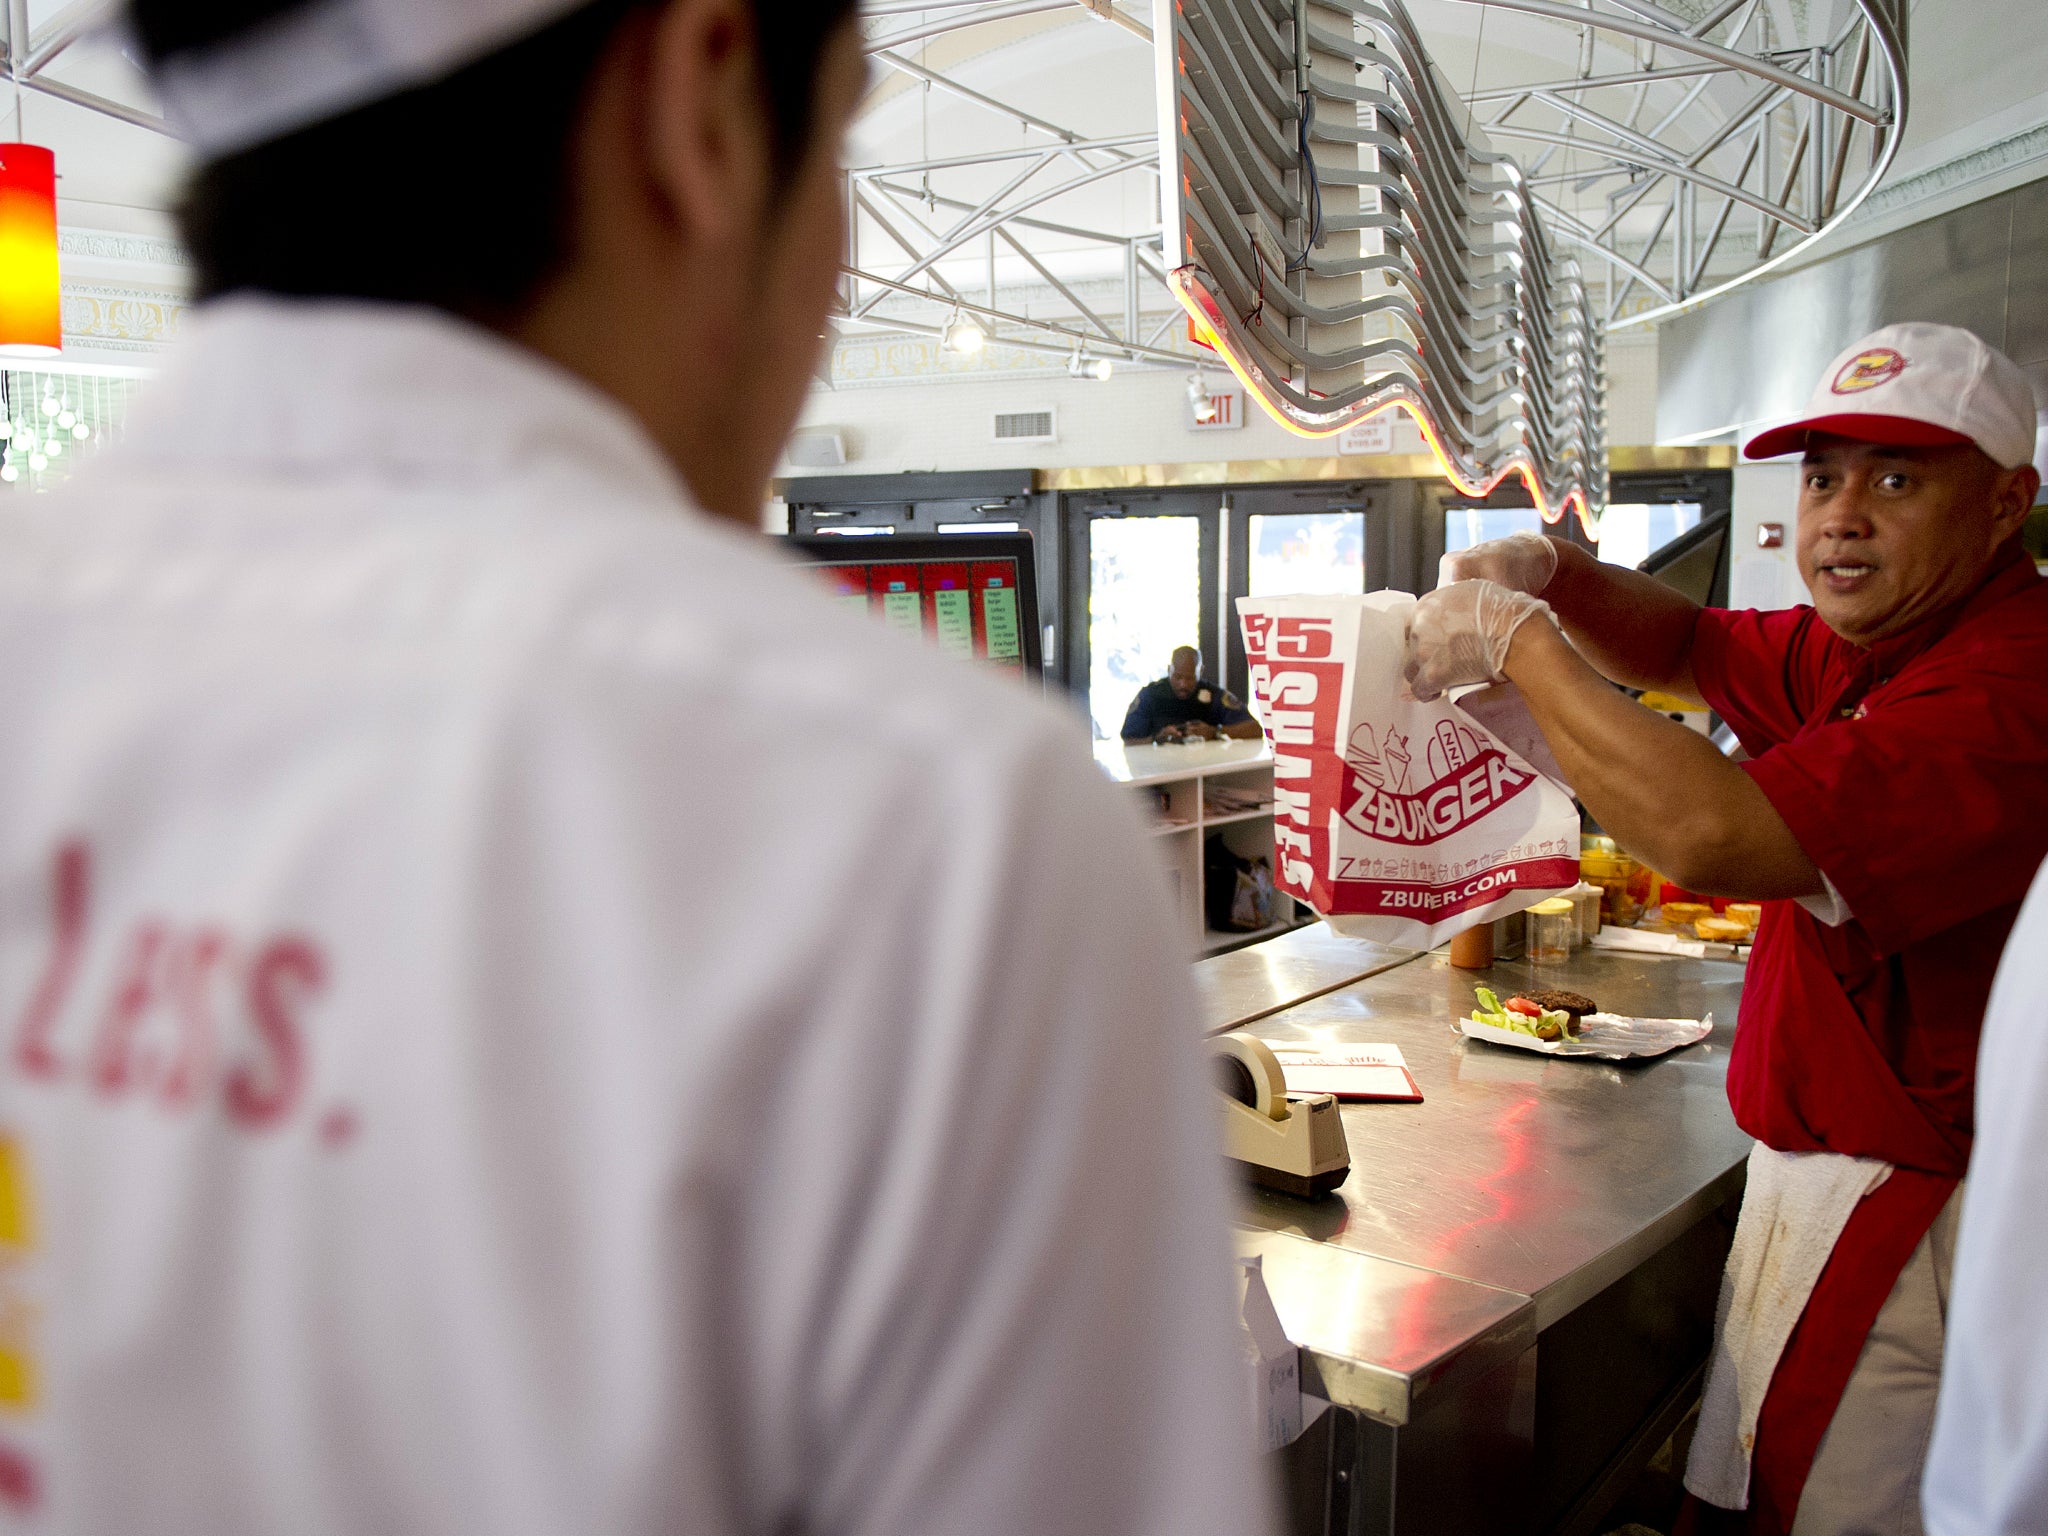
{"x": 1987, "y": 1471}
{"x": 519, "y": 1017}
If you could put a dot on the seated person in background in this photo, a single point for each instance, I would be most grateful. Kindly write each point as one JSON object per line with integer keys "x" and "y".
{"x": 1185, "y": 706}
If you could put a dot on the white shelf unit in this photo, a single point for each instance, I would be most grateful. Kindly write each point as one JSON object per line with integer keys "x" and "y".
{"x": 1176, "y": 784}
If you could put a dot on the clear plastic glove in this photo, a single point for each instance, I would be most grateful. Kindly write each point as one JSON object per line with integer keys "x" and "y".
{"x": 1461, "y": 633}
{"x": 1521, "y": 562}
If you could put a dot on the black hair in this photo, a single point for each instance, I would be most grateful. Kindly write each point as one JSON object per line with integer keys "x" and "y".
{"x": 459, "y": 193}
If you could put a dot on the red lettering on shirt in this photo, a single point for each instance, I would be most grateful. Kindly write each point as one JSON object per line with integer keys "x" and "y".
{"x": 135, "y": 994}
{"x": 159, "y": 1013}
{"x": 192, "y": 973}
{"x": 70, "y": 910}
{"x": 282, "y": 980}
{"x": 21, "y": 1487}
{"x": 338, "y": 1128}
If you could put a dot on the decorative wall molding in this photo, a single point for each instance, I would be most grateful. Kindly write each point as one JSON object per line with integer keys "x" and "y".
{"x": 105, "y": 318}
{"x": 2008, "y": 154}
{"x": 111, "y": 245}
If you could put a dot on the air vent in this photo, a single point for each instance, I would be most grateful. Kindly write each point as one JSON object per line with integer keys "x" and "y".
{"x": 1026, "y": 427}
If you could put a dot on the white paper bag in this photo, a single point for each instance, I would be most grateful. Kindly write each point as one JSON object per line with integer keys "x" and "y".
{"x": 1398, "y": 821}
{"x": 1272, "y": 1365}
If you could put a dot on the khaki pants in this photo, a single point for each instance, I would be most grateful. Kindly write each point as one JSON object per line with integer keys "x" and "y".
{"x": 1866, "y": 1475}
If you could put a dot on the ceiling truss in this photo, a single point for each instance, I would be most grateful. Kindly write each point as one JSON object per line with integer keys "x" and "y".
{"x": 1692, "y": 192}
{"x": 30, "y": 51}
{"x": 905, "y": 230}
{"x": 1678, "y": 156}
{"x": 1775, "y": 136}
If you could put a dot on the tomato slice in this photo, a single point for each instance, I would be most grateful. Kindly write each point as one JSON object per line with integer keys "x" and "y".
{"x": 1524, "y": 1007}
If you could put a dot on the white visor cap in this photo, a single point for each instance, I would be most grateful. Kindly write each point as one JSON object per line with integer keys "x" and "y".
{"x": 1917, "y": 385}
{"x": 327, "y": 57}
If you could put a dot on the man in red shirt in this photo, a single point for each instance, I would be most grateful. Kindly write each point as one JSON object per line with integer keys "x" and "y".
{"x": 1891, "y": 817}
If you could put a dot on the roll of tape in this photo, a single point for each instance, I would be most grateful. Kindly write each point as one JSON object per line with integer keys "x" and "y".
{"x": 1248, "y": 1071}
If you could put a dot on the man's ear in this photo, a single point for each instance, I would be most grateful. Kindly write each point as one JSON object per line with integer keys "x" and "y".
{"x": 2016, "y": 492}
{"x": 707, "y": 128}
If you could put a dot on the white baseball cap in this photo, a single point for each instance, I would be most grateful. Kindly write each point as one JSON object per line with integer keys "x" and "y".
{"x": 327, "y": 57}
{"x": 1920, "y": 386}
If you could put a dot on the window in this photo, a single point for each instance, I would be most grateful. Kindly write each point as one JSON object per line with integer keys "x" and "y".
{"x": 1466, "y": 526}
{"x": 1144, "y": 600}
{"x": 1629, "y": 535}
{"x": 1306, "y": 552}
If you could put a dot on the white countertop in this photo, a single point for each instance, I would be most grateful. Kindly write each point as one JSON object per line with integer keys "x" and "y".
{"x": 1149, "y": 764}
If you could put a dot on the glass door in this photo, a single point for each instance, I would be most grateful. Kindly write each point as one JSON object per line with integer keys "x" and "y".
{"x": 1299, "y": 539}
{"x": 1645, "y": 511}
{"x": 1290, "y": 552}
{"x": 1142, "y": 577}
{"x": 1632, "y": 532}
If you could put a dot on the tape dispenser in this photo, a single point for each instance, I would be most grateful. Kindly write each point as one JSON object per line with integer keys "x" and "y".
{"x": 1292, "y": 1142}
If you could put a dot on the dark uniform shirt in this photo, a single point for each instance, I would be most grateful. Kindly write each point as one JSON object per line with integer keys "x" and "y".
{"x": 1157, "y": 707}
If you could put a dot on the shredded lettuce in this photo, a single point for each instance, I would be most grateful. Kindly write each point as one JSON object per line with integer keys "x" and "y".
{"x": 1492, "y": 1011}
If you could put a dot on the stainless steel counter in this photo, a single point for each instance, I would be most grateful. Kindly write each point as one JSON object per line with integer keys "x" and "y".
{"x": 1547, "y": 1176}
{"x": 1260, "y": 979}
{"x": 1382, "y": 1336}
{"x": 1539, "y": 1238}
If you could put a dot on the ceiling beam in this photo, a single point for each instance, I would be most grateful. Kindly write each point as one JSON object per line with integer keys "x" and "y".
{"x": 986, "y": 218}
{"x": 996, "y": 156}
{"x": 918, "y": 34}
{"x": 1684, "y": 42}
{"x": 1134, "y": 350}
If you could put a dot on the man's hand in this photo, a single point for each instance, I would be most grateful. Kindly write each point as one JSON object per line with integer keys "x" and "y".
{"x": 1461, "y": 633}
{"x": 1167, "y": 735}
{"x": 1521, "y": 562}
{"x": 1202, "y": 730}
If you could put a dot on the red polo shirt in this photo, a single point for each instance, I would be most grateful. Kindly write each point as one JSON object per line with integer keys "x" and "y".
{"x": 1915, "y": 775}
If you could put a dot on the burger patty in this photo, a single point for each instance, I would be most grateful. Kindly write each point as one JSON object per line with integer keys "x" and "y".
{"x": 1561, "y": 1001}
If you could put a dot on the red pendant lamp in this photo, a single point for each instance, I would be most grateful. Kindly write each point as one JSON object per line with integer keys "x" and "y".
{"x": 31, "y": 309}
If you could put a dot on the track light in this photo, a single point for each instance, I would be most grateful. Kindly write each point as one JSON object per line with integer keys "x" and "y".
{"x": 1200, "y": 400}
{"x": 1082, "y": 367}
{"x": 963, "y": 335}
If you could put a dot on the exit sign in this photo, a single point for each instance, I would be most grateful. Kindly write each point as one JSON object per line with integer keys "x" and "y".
{"x": 1226, "y": 412}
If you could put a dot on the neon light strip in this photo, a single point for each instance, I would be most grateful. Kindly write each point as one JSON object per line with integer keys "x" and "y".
{"x": 1193, "y": 299}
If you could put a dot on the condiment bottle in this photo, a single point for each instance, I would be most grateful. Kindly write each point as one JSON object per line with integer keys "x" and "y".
{"x": 1551, "y": 924}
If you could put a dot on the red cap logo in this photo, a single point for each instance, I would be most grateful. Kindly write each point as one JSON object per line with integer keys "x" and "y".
{"x": 1867, "y": 370}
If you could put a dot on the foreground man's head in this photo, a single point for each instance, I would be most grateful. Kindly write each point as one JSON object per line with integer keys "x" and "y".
{"x": 644, "y": 191}
{"x": 1916, "y": 479}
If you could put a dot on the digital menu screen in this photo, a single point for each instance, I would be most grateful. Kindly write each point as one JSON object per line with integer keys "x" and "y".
{"x": 968, "y": 608}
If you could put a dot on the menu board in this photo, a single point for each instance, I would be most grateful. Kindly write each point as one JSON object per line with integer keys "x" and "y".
{"x": 968, "y": 609}
{"x": 898, "y": 596}
{"x": 995, "y": 598}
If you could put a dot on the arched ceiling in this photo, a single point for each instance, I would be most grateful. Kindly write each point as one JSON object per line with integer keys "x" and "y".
{"x": 1047, "y": 107}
